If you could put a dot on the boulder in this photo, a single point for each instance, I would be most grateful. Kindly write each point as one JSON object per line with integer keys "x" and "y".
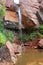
{"x": 5, "y": 54}
{"x": 41, "y": 43}
{"x": 41, "y": 4}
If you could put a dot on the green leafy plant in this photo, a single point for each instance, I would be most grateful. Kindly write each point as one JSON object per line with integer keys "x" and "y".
{"x": 10, "y": 36}
{"x": 2, "y": 10}
{"x": 41, "y": 28}
{"x": 40, "y": 35}
{"x": 5, "y": 35}
{"x": 32, "y": 36}
{"x": 25, "y": 37}
{"x": 3, "y": 39}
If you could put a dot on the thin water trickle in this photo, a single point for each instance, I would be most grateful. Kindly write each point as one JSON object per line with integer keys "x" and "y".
{"x": 20, "y": 23}
{"x": 20, "y": 28}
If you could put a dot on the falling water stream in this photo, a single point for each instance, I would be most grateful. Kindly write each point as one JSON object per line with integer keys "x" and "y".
{"x": 20, "y": 28}
{"x": 20, "y": 23}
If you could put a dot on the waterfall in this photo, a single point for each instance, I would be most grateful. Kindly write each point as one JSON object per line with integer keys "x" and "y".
{"x": 20, "y": 23}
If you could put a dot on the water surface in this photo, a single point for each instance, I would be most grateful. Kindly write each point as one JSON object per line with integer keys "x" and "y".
{"x": 31, "y": 57}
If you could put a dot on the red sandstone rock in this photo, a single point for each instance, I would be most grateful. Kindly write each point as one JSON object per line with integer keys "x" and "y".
{"x": 29, "y": 11}
{"x": 41, "y": 43}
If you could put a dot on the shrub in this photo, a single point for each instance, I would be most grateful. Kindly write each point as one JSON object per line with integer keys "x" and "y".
{"x": 41, "y": 28}
{"x": 2, "y": 10}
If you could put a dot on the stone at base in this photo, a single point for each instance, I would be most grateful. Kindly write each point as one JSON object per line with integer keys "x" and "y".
{"x": 41, "y": 43}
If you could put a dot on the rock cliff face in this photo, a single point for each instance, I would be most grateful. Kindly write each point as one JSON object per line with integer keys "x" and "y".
{"x": 42, "y": 3}
{"x": 28, "y": 10}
